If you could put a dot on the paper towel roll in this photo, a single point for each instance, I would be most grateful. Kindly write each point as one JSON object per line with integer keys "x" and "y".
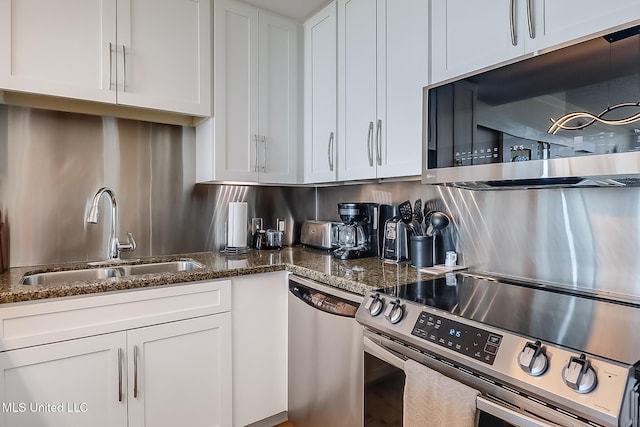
{"x": 237, "y": 225}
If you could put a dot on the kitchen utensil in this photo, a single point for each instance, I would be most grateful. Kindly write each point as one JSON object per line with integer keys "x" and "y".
{"x": 437, "y": 221}
{"x": 417, "y": 216}
{"x": 406, "y": 214}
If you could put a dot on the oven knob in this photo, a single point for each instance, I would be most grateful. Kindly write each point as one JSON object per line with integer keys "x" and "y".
{"x": 375, "y": 304}
{"x": 579, "y": 375}
{"x": 394, "y": 312}
{"x": 533, "y": 360}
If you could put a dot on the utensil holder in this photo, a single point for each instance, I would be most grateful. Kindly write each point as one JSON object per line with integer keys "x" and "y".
{"x": 422, "y": 251}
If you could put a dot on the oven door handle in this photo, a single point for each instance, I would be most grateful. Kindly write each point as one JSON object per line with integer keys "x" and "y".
{"x": 382, "y": 353}
{"x": 509, "y": 415}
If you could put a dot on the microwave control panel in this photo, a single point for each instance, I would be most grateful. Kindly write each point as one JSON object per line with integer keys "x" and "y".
{"x": 468, "y": 340}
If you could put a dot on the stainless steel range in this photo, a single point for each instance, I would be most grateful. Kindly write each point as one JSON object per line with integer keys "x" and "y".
{"x": 539, "y": 355}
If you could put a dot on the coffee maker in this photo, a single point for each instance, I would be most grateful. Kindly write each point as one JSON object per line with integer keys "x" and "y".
{"x": 358, "y": 233}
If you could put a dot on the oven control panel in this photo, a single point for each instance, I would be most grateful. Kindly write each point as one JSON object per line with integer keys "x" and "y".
{"x": 468, "y": 340}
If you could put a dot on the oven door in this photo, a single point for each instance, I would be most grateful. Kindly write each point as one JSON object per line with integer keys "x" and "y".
{"x": 383, "y": 395}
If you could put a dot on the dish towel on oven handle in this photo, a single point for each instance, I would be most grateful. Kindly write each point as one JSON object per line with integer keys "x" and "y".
{"x": 434, "y": 400}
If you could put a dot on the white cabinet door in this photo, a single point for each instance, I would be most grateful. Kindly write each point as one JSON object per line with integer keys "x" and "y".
{"x": 320, "y": 96}
{"x": 383, "y": 66}
{"x": 255, "y": 131}
{"x": 259, "y": 310}
{"x": 357, "y": 81}
{"x": 179, "y": 373}
{"x": 403, "y": 54}
{"x": 469, "y": 35}
{"x": 75, "y": 383}
{"x": 277, "y": 99}
{"x": 59, "y": 48}
{"x": 235, "y": 86}
{"x": 165, "y": 55}
{"x": 143, "y": 53}
{"x": 557, "y": 21}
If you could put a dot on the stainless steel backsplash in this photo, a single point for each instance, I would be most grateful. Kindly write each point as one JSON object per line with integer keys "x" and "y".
{"x": 52, "y": 163}
{"x": 579, "y": 237}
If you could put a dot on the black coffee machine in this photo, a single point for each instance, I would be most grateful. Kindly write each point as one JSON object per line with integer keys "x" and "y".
{"x": 358, "y": 233}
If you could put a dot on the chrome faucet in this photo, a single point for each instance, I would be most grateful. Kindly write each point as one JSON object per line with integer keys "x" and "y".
{"x": 115, "y": 247}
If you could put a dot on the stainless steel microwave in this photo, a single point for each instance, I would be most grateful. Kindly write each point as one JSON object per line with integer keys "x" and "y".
{"x": 565, "y": 118}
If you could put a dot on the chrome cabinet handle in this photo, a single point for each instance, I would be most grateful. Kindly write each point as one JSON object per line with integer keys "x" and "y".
{"x": 379, "y": 143}
{"x": 330, "y": 152}
{"x": 255, "y": 166}
{"x": 135, "y": 371}
{"x": 370, "y": 143}
{"x": 110, "y": 65}
{"x": 264, "y": 153}
{"x": 512, "y": 23}
{"x": 119, "y": 375}
{"x": 124, "y": 69}
{"x": 532, "y": 29}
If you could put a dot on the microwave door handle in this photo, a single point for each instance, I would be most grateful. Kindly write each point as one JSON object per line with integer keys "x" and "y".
{"x": 509, "y": 415}
{"x": 382, "y": 353}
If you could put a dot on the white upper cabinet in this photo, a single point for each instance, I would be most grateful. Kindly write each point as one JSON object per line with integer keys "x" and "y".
{"x": 383, "y": 55}
{"x": 143, "y": 53}
{"x": 468, "y": 36}
{"x": 255, "y": 106}
{"x": 320, "y": 96}
{"x": 164, "y": 57}
{"x": 48, "y": 50}
{"x": 556, "y": 21}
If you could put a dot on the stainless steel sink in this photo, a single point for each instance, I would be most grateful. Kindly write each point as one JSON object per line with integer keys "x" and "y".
{"x": 90, "y": 274}
{"x": 68, "y": 276}
{"x": 160, "y": 267}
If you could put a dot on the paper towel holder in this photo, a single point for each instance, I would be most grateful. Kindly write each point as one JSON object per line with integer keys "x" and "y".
{"x": 237, "y": 229}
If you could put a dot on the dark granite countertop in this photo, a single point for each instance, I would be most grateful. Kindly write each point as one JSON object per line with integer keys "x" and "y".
{"x": 357, "y": 276}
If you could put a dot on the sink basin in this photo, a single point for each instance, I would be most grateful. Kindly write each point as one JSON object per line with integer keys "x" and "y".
{"x": 89, "y": 274}
{"x": 160, "y": 267}
{"x": 68, "y": 276}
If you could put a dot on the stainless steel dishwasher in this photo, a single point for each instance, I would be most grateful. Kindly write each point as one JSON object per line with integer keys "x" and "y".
{"x": 325, "y": 356}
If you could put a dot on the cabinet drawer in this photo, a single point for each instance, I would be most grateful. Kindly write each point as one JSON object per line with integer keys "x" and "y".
{"x": 40, "y": 322}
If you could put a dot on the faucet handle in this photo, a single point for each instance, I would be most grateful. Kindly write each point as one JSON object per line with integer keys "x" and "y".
{"x": 130, "y": 246}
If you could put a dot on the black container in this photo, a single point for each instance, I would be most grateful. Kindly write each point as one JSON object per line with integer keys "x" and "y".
{"x": 421, "y": 251}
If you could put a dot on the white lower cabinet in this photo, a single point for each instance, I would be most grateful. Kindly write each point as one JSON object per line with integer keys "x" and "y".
{"x": 175, "y": 372}
{"x": 73, "y": 383}
{"x": 259, "y": 310}
{"x": 178, "y": 373}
